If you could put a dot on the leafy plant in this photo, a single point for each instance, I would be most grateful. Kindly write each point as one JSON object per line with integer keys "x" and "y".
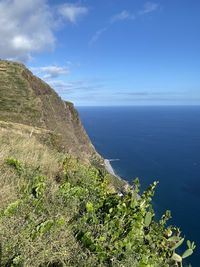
{"x": 81, "y": 222}
{"x": 15, "y": 164}
{"x": 189, "y": 251}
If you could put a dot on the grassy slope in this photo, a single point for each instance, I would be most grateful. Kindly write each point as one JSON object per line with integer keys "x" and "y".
{"x": 33, "y": 148}
{"x": 56, "y": 212}
{"x": 20, "y": 142}
{"x": 38, "y": 129}
{"x": 28, "y": 100}
{"x": 45, "y": 198}
{"x": 36, "y": 158}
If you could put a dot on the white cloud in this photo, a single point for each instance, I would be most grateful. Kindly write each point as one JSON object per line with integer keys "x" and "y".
{"x": 26, "y": 26}
{"x": 54, "y": 71}
{"x": 72, "y": 12}
{"x": 149, "y": 7}
{"x": 124, "y": 15}
{"x": 50, "y": 72}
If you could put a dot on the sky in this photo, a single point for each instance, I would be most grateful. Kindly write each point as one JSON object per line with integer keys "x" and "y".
{"x": 108, "y": 52}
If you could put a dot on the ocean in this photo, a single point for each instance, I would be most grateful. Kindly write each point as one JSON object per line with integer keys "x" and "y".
{"x": 155, "y": 143}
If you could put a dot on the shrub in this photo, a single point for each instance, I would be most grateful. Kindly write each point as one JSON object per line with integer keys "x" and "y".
{"x": 81, "y": 222}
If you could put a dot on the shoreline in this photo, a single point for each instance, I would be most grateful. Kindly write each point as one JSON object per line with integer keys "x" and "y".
{"x": 109, "y": 167}
{"x": 124, "y": 187}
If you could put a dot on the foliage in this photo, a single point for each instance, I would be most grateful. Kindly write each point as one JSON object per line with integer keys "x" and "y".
{"x": 15, "y": 163}
{"x": 81, "y": 222}
{"x": 117, "y": 228}
{"x": 56, "y": 211}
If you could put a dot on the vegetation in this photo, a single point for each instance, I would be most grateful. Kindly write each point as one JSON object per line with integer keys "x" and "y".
{"x": 58, "y": 204}
{"x": 57, "y": 211}
{"x": 26, "y": 99}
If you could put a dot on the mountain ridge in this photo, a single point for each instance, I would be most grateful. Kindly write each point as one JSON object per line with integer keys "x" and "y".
{"x": 28, "y": 100}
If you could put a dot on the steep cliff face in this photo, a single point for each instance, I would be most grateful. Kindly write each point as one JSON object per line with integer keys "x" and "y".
{"x": 28, "y": 100}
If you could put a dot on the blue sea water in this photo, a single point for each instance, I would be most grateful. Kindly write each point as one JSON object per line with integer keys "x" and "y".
{"x": 155, "y": 143}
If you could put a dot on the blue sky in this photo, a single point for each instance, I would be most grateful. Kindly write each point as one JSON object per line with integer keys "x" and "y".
{"x": 108, "y": 52}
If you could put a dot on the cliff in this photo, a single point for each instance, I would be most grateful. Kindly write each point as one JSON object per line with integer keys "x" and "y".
{"x": 56, "y": 208}
{"x": 26, "y": 99}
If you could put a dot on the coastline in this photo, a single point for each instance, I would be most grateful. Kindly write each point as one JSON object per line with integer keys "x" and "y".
{"x": 109, "y": 167}
{"x": 126, "y": 185}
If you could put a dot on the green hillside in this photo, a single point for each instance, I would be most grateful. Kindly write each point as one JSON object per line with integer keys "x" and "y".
{"x": 58, "y": 204}
{"x": 28, "y": 100}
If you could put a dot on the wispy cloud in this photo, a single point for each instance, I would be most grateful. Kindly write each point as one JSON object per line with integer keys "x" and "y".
{"x": 97, "y": 35}
{"x": 72, "y": 12}
{"x": 60, "y": 85}
{"x": 59, "y": 79}
{"x": 152, "y": 95}
{"x": 156, "y": 97}
{"x": 50, "y": 72}
{"x": 124, "y": 15}
{"x": 145, "y": 93}
{"x": 72, "y": 87}
{"x": 149, "y": 7}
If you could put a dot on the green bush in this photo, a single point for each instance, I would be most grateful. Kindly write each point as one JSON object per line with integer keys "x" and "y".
{"x": 80, "y": 222}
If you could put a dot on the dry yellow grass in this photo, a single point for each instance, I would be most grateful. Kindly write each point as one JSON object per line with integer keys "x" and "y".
{"x": 19, "y": 141}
